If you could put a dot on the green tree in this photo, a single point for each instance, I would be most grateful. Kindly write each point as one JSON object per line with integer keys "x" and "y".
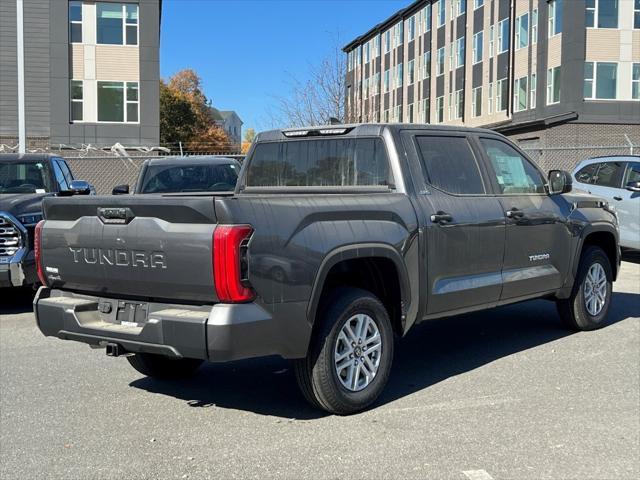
{"x": 178, "y": 120}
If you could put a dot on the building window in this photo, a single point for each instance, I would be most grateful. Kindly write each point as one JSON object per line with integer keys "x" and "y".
{"x": 424, "y": 110}
{"x": 75, "y": 22}
{"x": 442, "y": 13}
{"x": 522, "y": 31}
{"x": 460, "y": 52}
{"x": 399, "y": 75}
{"x": 350, "y": 61}
{"x": 553, "y": 85}
{"x": 451, "y": 107}
{"x": 386, "y": 82}
{"x": 503, "y": 35}
{"x": 490, "y": 102}
{"x": 411, "y": 77}
{"x": 365, "y": 88}
{"x": 118, "y": 102}
{"x": 459, "y": 103}
{"x": 601, "y": 14}
{"x": 635, "y": 82}
{"x": 534, "y": 86}
{"x": 636, "y": 14}
{"x": 366, "y": 53}
{"x": 387, "y": 41}
{"x": 358, "y": 55}
{"x": 534, "y": 26}
{"x": 440, "y": 108}
{"x": 376, "y": 45}
{"x": 398, "y": 33}
{"x": 411, "y": 27}
{"x": 600, "y": 80}
{"x": 77, "y": 100}
{"x": 477, "y": 3}
{"x": 452, "y": 55}
{"x": 520, "y": 94}
{"x": 117, "y": 24}
{"x": 426, "y": 65}
{"x": 555, "y": 17}
{"x": 410, "y": 118}
{"x": 492, "y": 36}
{"x": 440, "y": 61}
{"x": 502, "y": 95}
{"x": 461, "y": 6}
{"x": 476, "y": 102}
{"x": 478, "y": 41}
{"x": 426, "y": 15}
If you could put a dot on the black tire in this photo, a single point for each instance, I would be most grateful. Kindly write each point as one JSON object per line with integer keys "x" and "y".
{"x": 316, "y": 374}
{"x": 161, "y": 367}
{"x": 573, "y": 310}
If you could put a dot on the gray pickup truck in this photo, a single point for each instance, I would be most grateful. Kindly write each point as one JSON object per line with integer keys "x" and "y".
{"x": 335, "y": 240}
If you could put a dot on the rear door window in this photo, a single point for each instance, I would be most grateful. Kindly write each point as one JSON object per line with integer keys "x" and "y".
{"x": 586, "y": 174}
{"x": 323, "y": 162}
{"x": 609, "y": 174}
{"x": 450, "y": 164}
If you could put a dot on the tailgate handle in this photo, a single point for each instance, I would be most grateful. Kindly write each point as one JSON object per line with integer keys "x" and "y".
{"x": 115, "y": 215}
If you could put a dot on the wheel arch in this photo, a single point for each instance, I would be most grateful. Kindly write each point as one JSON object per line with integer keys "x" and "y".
{"x": 604, "y": 236}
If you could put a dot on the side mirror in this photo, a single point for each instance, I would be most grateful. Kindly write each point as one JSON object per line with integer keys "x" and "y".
{"x": 78, "y": 187}
{"x": 120, "y": 190}
{"x": 633, "y": 186}
{"x": 559, "y": 182}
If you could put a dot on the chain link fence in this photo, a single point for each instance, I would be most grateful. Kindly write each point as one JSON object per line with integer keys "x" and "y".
{"x": 567, "y": 158}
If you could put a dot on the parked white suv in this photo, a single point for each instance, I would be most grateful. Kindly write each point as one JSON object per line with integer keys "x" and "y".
{"x": 618, "y": 179}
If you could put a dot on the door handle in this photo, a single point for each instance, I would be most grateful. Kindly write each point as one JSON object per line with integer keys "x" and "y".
{"x": 441, "y": 217}
{"x": 618, "y": 198}
{"x": 515, "y": 213}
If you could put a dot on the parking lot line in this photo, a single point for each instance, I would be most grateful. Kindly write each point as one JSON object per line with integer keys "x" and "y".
{"x": 477, "y": 475}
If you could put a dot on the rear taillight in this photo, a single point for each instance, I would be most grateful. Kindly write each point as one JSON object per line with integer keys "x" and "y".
{"x": 230, "y": 263}
{"x": 37, "y": 248}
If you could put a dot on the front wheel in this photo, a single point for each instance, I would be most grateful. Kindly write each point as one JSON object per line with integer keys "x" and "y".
{"x": 161, "y": 367}
{"x": 588, "y": 305}
{"x": 350, "y": 355}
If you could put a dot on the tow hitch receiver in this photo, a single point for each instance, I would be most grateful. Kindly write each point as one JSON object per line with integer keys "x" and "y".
{"x": 114, "y": 350}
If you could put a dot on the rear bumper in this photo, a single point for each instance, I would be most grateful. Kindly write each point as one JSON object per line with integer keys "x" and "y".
{"x": 216, "y": 333}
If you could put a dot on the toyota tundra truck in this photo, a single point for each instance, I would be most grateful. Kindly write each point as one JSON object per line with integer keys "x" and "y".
{"x": 336, "y": 240}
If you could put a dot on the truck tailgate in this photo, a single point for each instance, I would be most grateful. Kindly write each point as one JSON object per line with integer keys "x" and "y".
{"x": 140, "y": 247}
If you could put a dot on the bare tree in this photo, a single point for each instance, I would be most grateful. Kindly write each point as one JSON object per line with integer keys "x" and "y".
{"x": 319, "y": 97}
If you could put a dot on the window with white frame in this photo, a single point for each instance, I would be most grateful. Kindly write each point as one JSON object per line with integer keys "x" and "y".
{"x": 478, "y": 42}
{"x": 118, "y": 102}
{"x": 117, "y": 24}
{"x": 411, "y": 77}
{"x": 601, "y": 13}
{"x": 377, "y": 45}
{"x": 460, "y": 52}
{"x": 398, "y": 34}
{"x": 387, "y": 41}
{"x": 459, "y": 104}
{"x": 452, "y": 110}
{"x": 426, "y": 16}
{"x": 366, "y": 49}
{"x": 520, "y": 94}
{"x": 386, "y": 80}
{"x": 490, "y": 98}
{"x": 358, "y": 55}
{"x": 461, "y": 6}
{"x": 502, "y": 95}
{"x": 476, "y": 102}
{"x": 554, "y": 8}
{"x": 636, "y": 13}
{"x": 522, "y": 31}
{"x": 411, "y": 28}
{"x": 440, "y": 61}
{"x": 376, "y": 84}
{"x": 410, "y": 112}
{"x": 399, "y": 75}
{"x": 424, "y": 110}
{"x": 477, "y": 3}
{"x": 350, "y": 60}
{"x": 503, "y": 35}
{"x": 426, "y": 65}
{"x": 600, "y": 80}
{"x": 452, "y": 55}
{"x": 553, "y": 85}
{"x": 386, "y": 116}
{"x": 534, "y": 26}
{"x": 440, "y": 108}
{"x": 77, "y": 100}
{"x": 398, "y": 113}
{"x": 492, "y": 36}
{"x": 532, "y": 90}
{"x": 365, "y": 88}
{"x": 75, "y": 22}
{"x": 442, "y": 12}
{"x": 635, "y": 82}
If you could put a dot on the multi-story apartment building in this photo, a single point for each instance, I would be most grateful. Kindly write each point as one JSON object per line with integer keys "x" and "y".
{"x": 533, "y": 69}
{"x": 91, "y": 72}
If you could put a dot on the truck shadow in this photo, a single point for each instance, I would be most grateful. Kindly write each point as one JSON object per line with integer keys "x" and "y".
{"x": 431, "y": 353}
{"x": 14, "y": 301}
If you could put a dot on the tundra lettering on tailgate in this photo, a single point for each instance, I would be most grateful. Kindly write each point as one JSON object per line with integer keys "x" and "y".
{"x": 119, "y": 257}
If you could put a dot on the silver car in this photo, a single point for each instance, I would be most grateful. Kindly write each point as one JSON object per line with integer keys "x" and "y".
{"x": 618, "y": 179}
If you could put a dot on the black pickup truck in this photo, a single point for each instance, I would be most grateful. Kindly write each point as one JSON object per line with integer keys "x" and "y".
{"x": 335, "y": 240}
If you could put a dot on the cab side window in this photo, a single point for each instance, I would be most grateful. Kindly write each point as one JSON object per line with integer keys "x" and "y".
{"x": 514, "y": 173}
{"x": 586, "y": 174}
{"x": 450, "y": 164}
{"x": 609, "y": 174}
{"x": 60, "y": 179}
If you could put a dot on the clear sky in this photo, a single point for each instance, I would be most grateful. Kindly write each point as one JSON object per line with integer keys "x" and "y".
{"x": 245, "y": 50}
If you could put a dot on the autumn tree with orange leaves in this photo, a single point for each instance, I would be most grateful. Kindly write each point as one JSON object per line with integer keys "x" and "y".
{"x": 186, "y": 115}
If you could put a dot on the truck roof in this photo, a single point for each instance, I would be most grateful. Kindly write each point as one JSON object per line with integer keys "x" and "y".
{"x": 192, "y": 160}
{"x": 26, "y": 157}
{"x": 357, "y": 129}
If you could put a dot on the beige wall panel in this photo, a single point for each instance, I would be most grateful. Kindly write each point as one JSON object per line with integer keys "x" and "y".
{"x": 522, "y": 6}
{"x": 77, "y": 61}
{"x": 521, "y": 63}
{"x": 554, "y": 53}
{"x": 635, "y": 48}
{"x": 114, "y": 62}
{"x": 602, "y": 44}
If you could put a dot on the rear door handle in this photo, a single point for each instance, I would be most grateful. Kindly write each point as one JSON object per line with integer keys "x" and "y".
{"x": 618, "y": 198}
{"x": 515, "y": 213}
{"x": 441, "y": 217}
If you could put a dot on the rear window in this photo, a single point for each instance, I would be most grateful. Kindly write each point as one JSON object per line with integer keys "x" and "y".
{"x": 331, "y": 162}
{"x": 189, "y": 178}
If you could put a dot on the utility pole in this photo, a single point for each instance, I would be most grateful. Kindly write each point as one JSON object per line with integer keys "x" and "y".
{"x": 22, "y": 137}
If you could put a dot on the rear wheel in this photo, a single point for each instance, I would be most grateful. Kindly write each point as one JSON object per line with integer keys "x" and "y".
{"x": 350, "y": 355}
{"x": 588, "y": 305}
{"x": 161, "y": 367}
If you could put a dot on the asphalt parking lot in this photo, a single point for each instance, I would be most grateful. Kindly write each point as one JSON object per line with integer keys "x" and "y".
{"x": 505, "y": 394}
